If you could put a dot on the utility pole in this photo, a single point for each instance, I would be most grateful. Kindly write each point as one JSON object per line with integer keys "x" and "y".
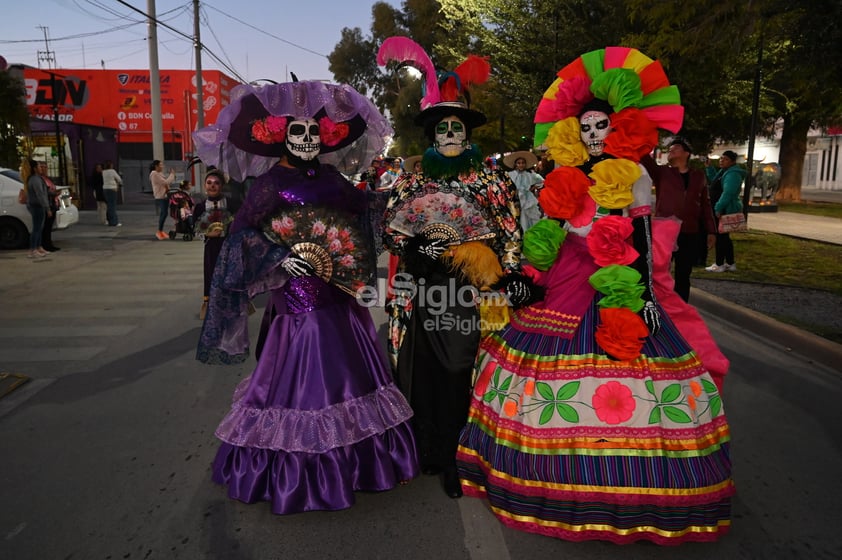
{"x": 49, "y": 57}
{"x": 200, "y": 84}
{"x": 155, "y": 84}
{"x": 755, "y": 109}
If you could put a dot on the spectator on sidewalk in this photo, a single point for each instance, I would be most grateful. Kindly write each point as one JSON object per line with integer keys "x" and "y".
{"x": 725, "y": 196}
{"x": 160, "y": 185}
{"x": 99, "y": 195}
{"x": 38, "y": 205}
{"x": 111, "y": 181}
{"x": 49, "y": 222}
{"x": 682, "y": 192}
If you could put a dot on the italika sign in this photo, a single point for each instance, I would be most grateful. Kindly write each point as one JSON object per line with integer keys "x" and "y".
{"x": 122, "y": 99}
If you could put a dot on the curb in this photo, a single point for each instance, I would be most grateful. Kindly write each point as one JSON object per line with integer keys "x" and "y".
{"x": 793, "y": 339}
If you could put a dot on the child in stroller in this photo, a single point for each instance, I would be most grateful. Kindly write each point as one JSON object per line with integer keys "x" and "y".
{"x": 181, "y": 211}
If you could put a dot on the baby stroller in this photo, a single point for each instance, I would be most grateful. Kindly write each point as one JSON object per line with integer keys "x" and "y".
{"x": 181, "y": 211}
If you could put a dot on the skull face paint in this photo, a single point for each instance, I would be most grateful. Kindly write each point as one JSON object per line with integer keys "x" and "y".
{"x": 594, "y": 127}
{"x": 303, "y": 139}
{"x": 451, "y": 137}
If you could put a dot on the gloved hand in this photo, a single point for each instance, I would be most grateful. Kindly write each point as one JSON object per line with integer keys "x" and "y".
{"x": 520, "y": 290}
{"x": 432, "y": 249}
{"x": 297, "y": 267}
{"x": 651, "y": 317}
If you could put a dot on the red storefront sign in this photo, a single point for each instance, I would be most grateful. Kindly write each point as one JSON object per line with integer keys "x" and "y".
{"x": 122, "y": 99}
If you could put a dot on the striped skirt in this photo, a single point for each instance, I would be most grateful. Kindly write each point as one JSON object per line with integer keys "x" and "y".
{"x": 566, "y": 442}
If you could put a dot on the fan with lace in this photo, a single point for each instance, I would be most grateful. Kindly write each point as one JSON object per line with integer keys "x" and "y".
{"x": 333, "y": 243}
{"x": 442, "y": 216}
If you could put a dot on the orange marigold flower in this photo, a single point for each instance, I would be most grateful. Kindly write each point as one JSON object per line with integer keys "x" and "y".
{"x": 613, "y": 402}
{"x": 510, "y": 408}
{"x": 529, "y": 388}
{"x": 696, "y": 387}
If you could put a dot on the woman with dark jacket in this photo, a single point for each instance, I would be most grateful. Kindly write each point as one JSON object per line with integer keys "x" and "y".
{"x": 725, "y": 197}
{"x": 52, "y": 199}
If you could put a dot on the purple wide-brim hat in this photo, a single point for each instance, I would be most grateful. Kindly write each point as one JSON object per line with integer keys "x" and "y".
{"x": 228, "y": 145}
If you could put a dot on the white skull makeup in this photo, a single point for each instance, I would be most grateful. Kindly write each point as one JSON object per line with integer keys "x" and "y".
{"x": 451, "y": 137}
{"x": 303, "y": 140}
{"x": 594, "y": 128}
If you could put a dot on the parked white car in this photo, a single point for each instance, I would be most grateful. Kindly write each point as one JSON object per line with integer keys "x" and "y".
{"x": 15, "y": 220}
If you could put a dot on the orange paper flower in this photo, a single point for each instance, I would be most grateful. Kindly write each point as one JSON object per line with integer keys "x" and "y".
{"x": 621, "y": 332}
{"x": 632, "y": 135}
{"x": 565, "y": 192}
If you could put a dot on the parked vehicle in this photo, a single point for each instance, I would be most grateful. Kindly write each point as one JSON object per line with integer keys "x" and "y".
{"x": 15, "y": 220}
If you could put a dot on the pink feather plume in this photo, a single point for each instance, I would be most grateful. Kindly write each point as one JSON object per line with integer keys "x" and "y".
{"x": 405, "y": 50}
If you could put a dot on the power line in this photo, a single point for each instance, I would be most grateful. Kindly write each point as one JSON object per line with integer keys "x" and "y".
{"x": 266, "y": 32}
{"x": 188, "y": 37}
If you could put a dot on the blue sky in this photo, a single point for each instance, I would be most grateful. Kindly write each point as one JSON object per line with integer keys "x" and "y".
{"x": 271, "y": 38}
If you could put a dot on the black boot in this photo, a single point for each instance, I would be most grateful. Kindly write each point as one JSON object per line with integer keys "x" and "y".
{"x": 450, "y": 482}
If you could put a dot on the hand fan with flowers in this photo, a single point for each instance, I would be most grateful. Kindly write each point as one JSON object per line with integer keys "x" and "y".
{"x": 334, "y": 243}
{"x": 442, "y": 215}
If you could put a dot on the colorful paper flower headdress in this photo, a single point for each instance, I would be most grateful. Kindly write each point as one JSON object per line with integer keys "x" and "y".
{"x": 635, "y": 87}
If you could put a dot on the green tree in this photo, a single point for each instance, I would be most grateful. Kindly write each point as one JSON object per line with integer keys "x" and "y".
{"x": 711, "y": 51}
{"x": 14, "y": 118}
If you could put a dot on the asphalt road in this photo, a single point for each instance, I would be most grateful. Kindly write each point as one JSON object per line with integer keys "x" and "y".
{"x": 106, "y": 452}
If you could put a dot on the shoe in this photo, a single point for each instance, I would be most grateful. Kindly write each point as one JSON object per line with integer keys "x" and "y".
{"x": 118, "y": 224}
{"x": 730, "y": 267}
{"x": 450, "y": 482}
{"x": 52, "y": 249}
{"x": 41, "y": 252}
{"x": 161, "y": 235}
{"x": 717, "y": 268}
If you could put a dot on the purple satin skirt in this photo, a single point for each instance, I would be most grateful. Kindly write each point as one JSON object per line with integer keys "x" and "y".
{"x": 320, "y": 417}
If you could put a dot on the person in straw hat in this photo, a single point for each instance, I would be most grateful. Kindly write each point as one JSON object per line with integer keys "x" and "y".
{"x": 528, "y": 182}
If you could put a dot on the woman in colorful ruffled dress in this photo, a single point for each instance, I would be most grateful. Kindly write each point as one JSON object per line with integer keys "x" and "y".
{"x": 591, "y": 417}
{"x": 320, "y": 416}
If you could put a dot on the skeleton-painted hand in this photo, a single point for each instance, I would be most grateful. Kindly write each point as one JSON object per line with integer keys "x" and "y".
{"x": 432, "y": 249}
{"x": 651, "y": 317}
{"x": 297, "y": 267}
{"x": 520, "y": 290}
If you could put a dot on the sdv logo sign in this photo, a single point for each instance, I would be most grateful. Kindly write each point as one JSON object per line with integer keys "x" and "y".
{"x": 69, "y": 91}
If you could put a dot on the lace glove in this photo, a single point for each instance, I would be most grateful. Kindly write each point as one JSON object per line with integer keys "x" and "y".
{"x": 651, "y": 317}
{"x": 297, "y": 267}
{"x": 520, "y": 290}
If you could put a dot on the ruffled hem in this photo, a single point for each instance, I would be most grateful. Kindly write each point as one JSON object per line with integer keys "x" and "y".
{"x": 299, "y": 482}
{"x": 314, "y": 431}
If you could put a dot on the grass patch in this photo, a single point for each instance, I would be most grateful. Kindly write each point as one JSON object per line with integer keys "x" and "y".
{"x": 770, "y": 258}
{"x": 829, "y": 209}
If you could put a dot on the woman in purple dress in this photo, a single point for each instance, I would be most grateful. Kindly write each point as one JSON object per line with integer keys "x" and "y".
{"x": 320, "y": 417}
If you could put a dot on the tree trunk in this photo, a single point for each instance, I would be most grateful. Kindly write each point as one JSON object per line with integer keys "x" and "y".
{"x": 793, "y": 148}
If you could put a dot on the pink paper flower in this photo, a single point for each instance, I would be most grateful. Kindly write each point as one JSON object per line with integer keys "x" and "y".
{"x": 608, "y": 241}
{"x": 332, "y": 133}
{"x": 270, "y": 130}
